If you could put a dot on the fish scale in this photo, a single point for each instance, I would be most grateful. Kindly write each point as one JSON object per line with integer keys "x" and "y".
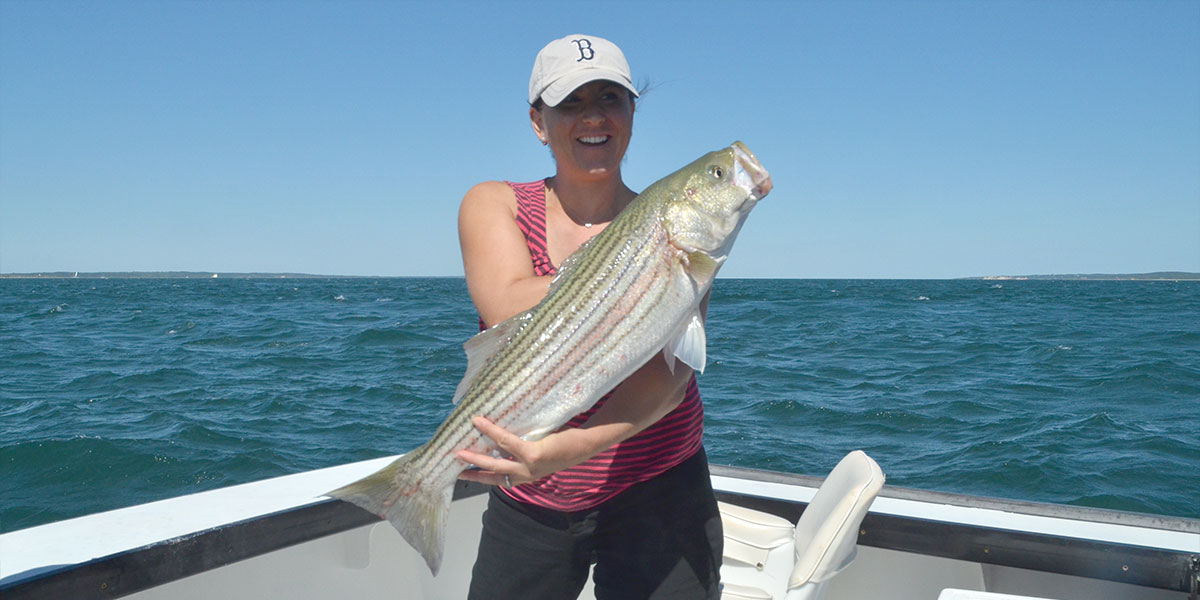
{"x": 627, "y": 294}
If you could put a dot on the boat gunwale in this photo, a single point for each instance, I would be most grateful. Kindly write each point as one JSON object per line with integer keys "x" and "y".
{"x": 1025, "y": 507}
{"x": 168, "y": 560}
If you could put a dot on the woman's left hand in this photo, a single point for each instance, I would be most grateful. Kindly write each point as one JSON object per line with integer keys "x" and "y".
{"x": 520, "y": 464}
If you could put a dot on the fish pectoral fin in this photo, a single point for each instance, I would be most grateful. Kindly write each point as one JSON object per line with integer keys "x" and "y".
{"x": 703, "y": 268}
{"x": 689, "y": 343}
{"x": 483, "y": 346}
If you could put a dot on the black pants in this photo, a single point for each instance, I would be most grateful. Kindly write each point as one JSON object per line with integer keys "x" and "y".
{"x": 658, "y": 539}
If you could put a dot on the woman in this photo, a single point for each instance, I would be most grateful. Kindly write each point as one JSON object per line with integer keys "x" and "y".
{"x": 625, "y": 485}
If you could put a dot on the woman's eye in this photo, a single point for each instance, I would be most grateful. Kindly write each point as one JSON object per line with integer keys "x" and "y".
{"x": 716, "y": 172}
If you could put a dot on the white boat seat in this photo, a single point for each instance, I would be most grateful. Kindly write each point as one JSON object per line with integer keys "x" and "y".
{"x": 758, "y": 556}
{"x": 827, "y": 533}
{"x": 824, "y": 539}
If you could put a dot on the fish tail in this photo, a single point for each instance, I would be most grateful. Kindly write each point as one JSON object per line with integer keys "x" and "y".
{"x": 419, "y": 512}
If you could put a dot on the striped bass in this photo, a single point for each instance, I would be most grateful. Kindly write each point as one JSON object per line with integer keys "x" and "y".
{"x": 630, "y": 292}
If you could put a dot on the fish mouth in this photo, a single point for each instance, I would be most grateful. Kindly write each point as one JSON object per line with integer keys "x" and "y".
{"x": 749, "y": 173}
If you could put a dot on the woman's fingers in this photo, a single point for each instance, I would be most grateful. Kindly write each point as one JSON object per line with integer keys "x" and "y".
{"x": 507, "y": 441}
{"x": 485, "y": 477}
{"x": 492, "y": 470}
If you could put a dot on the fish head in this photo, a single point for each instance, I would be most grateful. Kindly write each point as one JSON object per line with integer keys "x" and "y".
{"x": 711, "y": 198}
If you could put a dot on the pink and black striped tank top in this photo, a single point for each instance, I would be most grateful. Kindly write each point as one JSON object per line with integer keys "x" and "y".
{"x": 670, "y": 441}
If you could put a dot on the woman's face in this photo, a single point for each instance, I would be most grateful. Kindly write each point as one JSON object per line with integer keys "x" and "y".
{"x": 589, "y": 130}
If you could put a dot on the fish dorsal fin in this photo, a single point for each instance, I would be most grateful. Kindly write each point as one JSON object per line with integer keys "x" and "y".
{"x": 483, "y": 346}
{"x": 569, "y": 263}
{"x": 688, "y": 343}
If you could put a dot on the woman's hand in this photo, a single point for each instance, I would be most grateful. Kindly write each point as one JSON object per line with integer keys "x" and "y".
{"x": 523, "y": 461}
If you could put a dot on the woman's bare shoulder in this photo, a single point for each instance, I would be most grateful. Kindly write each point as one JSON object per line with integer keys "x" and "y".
{"x": 486, "y": 202}
{"x": 490, "y": 191}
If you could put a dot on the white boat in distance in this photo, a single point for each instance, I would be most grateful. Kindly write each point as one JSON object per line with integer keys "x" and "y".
{"x": 278, "y": 538}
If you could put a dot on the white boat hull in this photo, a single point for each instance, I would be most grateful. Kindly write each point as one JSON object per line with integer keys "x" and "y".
{"x": 277, "y": 538}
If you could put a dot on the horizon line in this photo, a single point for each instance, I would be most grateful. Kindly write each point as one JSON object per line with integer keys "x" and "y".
{"x": 180, "y": 274}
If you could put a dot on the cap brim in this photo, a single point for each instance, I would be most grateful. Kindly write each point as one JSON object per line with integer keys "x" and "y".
{"x": 562, "y": 87}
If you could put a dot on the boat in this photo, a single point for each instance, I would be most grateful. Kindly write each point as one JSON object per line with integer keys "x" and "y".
{"x": 279, "y": 538}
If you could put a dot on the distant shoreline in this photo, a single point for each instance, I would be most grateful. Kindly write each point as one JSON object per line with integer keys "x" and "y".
{"x": 1153, "y": 276}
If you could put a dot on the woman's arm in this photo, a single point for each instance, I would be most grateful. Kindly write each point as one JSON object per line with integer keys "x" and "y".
{"x": 499, "y": 274}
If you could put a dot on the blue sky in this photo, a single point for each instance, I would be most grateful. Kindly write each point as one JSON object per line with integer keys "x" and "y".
{"x": 905, "y": 139}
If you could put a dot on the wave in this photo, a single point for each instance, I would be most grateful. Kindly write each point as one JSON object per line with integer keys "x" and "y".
{"x": 392, "y": 337}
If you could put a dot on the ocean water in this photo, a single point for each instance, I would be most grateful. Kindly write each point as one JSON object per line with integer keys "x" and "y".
{"x": 115, "y": 392}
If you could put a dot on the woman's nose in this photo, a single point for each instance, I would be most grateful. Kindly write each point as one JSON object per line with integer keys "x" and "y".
{"x": 592, "y": 113}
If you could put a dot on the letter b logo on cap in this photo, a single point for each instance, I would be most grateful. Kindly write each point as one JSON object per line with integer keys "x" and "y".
{"x": 584, "y": 46}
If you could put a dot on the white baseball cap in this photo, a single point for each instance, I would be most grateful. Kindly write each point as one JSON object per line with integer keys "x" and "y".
{"x": 569, "y": 62}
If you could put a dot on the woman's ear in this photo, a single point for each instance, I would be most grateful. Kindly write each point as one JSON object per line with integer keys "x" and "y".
{"x": 535, "y": 120}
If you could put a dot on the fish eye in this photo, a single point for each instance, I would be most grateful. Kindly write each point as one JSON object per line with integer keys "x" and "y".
{"x": 716, "y": 172}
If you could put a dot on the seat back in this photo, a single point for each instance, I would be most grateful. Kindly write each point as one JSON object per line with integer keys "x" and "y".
{"x": 827, "y": 533}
